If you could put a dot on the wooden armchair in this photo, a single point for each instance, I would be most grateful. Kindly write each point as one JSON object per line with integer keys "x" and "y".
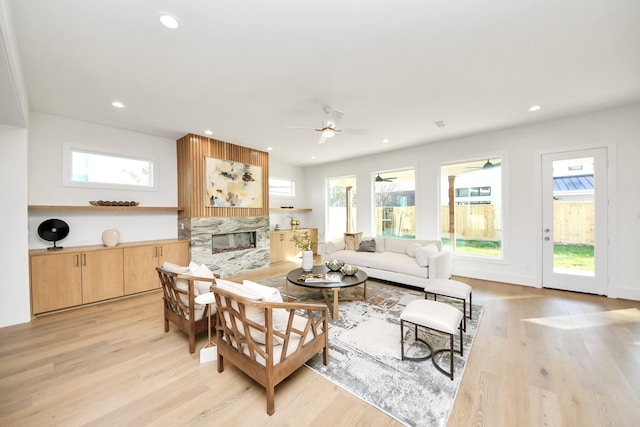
{"x": 246, "y": 337}
{"x": 179, "y": 305}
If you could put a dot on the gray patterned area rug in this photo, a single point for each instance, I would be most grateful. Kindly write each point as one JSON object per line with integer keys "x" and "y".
{"x": 364, "y": 354}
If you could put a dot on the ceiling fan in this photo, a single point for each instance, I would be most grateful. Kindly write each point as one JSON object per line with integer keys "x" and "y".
{"x": 329, "y": 125}
{"x": 487, "y": 165}
{"x": 387, "y": 179}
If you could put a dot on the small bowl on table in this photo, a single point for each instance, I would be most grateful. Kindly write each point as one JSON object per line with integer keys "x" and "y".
{"x": 334, "y": 264}
{"x": 349, "y": 270}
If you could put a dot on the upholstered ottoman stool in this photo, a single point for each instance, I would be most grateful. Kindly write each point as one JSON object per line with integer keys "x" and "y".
{"x": 436, "y": 316}
{"x": 452, "y": 289}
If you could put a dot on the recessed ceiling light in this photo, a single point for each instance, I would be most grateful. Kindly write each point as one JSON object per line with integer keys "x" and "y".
{"x": 269, "y": 148}
{"x": 169, "y": 20}
{"x": 208, "y": 132}
{"x": 117, "y": 104}
{"x": 313, "y": 157}
{"x": 385, "y": 141}
{"x": 535, "y": 108}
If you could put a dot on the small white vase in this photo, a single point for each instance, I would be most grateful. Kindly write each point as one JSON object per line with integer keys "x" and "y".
{"x": 111, "y": 237}
{"x": 307, "y": 260}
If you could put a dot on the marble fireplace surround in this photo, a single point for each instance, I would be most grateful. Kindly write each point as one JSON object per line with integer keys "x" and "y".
{"x": 199, "y": 232}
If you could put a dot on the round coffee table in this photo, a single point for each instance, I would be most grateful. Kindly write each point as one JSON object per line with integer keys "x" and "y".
{"x": 360, "y": 278}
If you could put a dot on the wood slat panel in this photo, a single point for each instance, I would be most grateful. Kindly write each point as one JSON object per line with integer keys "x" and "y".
{"x": 191, "y": 153}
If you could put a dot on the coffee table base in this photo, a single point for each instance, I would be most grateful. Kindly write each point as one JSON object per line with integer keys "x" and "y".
{"x": 333, "y": 305}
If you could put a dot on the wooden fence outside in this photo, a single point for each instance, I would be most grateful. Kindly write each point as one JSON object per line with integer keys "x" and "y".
{"x": 573, "y": 222}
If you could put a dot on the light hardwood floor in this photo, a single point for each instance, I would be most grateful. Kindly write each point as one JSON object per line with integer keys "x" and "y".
{"x": 540, "y": 358}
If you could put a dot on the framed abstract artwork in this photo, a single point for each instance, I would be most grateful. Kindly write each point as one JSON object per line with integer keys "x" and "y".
{"x": 233, "y": 184}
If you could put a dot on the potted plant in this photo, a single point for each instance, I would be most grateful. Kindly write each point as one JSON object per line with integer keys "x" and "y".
{"x": 304, "y": 243}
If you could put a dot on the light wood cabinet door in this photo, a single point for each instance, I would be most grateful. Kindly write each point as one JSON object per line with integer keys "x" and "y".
{"x": 177, "y": 253}
{"x": 140, "y": 264}
{"x": 56, "y": 282}
{"x": 102, "y": 275}
{"x": 276, "y": 246}
{"x": 140, "y": 269}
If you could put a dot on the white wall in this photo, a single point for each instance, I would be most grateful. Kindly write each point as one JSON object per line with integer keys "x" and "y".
{"x": 14, "y": 287}
{"x": 47, "y": 133}
{"x": 520, "y": 148}
{"x": 295, "y": 173}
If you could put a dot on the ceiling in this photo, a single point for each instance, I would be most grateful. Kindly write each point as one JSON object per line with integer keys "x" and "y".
{"x": 250, "y": 70}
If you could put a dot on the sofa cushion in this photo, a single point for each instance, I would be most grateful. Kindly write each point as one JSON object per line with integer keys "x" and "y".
{"x": 336, "y": 245}
{"x": 352, "y": 240}
{"x": 397, "y": 245}
{"x": 411, "y": 249}
{"x": 367, "y": 246}
{"x": 423, "y": 253}
{"x": 354, "y": 258}
{"x": 398, "y": 263}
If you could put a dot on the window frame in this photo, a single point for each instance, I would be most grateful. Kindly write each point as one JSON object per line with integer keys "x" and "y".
{"x": 292, "y": 193}
{"x": 67, "y": 168}
{"x": 502, "y": 191}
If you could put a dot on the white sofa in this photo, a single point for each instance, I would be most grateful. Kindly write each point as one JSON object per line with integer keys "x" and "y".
{"x": 407, "y": 261}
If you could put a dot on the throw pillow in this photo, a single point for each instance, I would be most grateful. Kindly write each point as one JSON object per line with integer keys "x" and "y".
{"x": 352, "y": 241}
{"x": 411, "y": 249}
{"x": 201, "y": 287}
{"x": 423, "y": 254}
{"x": 367, "y": 246}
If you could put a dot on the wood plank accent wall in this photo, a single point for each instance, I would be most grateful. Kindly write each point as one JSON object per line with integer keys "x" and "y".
{"x": 191, "y": 153}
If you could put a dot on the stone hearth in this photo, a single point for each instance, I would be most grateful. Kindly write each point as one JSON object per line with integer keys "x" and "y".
{"x": 200, "y": 231}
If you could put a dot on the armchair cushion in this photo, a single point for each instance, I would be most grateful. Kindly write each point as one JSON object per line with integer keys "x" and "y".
{"x": 253, "y": 313}
{"x": 271, "y": 294}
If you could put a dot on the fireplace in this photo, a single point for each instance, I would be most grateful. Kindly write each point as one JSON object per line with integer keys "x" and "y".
{"x": 236, "y": 241}
{"x": 208, "y": 237}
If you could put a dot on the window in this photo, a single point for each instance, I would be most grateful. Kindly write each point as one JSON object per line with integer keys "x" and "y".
{"x": 85, "y": 168}
{"x": 282, "y": 187}
{"x": 471, "y": 223}
{"x": 337, "y": 202}
{"x": 395, "y": 206}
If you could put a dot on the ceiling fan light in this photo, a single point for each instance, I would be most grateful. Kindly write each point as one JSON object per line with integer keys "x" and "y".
{"x": 328, "y": 133}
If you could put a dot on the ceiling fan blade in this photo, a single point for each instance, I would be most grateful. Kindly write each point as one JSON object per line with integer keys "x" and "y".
{"x": 322, "y": 140}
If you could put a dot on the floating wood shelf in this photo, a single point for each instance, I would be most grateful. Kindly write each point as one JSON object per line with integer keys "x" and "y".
{"x": 290, "y": 209}
{"x": 103, "y": 208}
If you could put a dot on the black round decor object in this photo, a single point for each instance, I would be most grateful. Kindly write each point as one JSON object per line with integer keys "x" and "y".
{"x": 53, "y": 230}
